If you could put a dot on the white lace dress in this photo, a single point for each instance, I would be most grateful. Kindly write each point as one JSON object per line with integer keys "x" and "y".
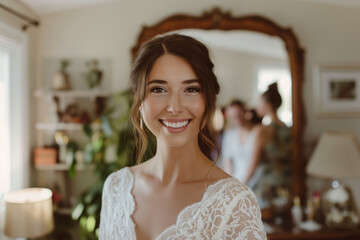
{"x": 228, "y": 210}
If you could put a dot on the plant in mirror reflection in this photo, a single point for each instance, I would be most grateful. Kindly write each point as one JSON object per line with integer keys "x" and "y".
{"x": 111, "y": 147}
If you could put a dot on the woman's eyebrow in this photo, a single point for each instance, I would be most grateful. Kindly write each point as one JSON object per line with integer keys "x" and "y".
{"x": 157, "y": 81}
{"x": 191, "y": 81}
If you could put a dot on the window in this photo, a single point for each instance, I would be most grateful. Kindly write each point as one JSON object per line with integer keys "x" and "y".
{"x": 14, "y": 142}
{"x": 281, "y": 75}
{"x": 4, "y": 121}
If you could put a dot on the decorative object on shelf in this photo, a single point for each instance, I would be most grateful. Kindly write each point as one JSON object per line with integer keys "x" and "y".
{"x": 94, "y": 76}
{"x": 339, "y": 95}
{"x": 296, "y": 212}
{"x": 310, "y": 225}
{"x": 71, "y": 114}
{"x": 337, "y": 157}
{"x": 318, "y": 213}
{"x": 62, "y": 140}
{"x": 85, "y": 118}
{"x": 61, "y": 79}
{"x": 100, "y": 106}
{"x": 54, "y": 109}
{"x": 29, "y": 213}
{"x": 281, "y": 205}
{"x": 45, "y": 156}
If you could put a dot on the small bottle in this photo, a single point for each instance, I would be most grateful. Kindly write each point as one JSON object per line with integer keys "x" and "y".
{"x": 318, "y": 213}
{"x": 309, "y": 210}
{"x": 296, "y": 212}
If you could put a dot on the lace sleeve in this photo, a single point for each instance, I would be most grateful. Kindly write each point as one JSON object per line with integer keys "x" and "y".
{"x": 245, "y": 219}
{"x": 105, "y": 210}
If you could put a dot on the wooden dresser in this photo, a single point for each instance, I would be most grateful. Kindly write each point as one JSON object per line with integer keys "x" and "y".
{"x": 324, "y": 234}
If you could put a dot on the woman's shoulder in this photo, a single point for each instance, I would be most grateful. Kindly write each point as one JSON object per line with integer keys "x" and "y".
{"x": 119, "y": 174}
{"x": 119, "y": 180}
{"x": 230, "y": 189}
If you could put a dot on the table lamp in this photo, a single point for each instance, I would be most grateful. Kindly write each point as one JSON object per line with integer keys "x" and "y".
{"x": 28, "y": 213}
{"x": 337, "y": 157}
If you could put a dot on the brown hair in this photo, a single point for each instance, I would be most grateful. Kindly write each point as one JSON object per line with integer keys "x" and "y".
{"x": 238, "y": 103}
{"x": 197, "y": 55}
{"x": 272, "y": 96}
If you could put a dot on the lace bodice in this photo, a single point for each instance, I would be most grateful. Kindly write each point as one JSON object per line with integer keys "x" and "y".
{"x": 228, "y": 210}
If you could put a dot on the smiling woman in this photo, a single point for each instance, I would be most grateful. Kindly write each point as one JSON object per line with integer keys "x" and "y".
{"x": 176, "y": 103}
{"x": 185, "y": 195}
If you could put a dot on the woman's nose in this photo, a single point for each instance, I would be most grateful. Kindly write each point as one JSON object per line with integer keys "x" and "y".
{"x": 175, "y": 104}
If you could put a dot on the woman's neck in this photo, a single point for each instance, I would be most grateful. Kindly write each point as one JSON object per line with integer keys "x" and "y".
{"x": 274, "y": 118}
{"x": 178, "y": 164}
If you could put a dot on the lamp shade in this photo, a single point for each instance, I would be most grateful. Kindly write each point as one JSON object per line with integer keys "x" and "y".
{"x": 336, "y": 156}
{"x": 28, "y": 213}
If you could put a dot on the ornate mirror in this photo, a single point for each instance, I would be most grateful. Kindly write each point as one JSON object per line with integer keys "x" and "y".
{"x": 217, "y": 20}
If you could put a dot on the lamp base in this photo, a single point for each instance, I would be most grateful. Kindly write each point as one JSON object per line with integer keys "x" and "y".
{"x": 339, "y": 206}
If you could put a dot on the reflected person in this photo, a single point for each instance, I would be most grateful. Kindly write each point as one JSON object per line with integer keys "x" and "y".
{"x": 273, "y": 170}
{"x": 242, "y": 144}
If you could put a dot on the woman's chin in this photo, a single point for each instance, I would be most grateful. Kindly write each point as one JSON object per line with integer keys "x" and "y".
{"x": 177, "y": 141}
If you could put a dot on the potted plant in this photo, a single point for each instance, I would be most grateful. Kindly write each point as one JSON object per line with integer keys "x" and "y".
{"x": 111, "y": 147}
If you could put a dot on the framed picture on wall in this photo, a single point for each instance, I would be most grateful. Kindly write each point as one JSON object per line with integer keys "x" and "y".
{"x": 338, "y": 91}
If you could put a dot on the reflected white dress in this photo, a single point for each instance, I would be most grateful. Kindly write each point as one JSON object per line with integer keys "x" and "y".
{"x": 228, "y": 210}
{"x": 239, "y": 153}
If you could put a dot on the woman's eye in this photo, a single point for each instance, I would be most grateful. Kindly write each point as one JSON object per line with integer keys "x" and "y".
{"x": 192, "y": 90}
{"x": 157, "y": 90}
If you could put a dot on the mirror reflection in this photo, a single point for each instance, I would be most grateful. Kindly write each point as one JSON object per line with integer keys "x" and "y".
{"x": 255, "y": 117}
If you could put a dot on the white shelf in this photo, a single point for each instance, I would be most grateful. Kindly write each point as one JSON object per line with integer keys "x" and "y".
{"x": 64, "y": 167}
{"x": 64, "y": 126}
{"x": 59, "y": 126}
{"x": 73, "y": 93}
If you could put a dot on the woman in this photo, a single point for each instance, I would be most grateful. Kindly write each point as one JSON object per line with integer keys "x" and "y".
{"x": 241, "y": 144}
{"x": 273, "y": 170}
{"x": 178, "y": 193}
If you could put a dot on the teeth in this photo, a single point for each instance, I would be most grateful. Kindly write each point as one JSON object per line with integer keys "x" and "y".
{"x": 175, "y": 125}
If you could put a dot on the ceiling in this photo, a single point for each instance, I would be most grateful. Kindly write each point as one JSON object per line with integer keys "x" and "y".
{"x": 47, "y": 6}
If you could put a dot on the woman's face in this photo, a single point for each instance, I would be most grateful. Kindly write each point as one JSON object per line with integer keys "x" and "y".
{"x": 235, "y": 115}
{"x": 174, "y": 103}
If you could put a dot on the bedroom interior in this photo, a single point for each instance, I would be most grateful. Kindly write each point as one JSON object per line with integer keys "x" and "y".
{"x": 314, "y": 41}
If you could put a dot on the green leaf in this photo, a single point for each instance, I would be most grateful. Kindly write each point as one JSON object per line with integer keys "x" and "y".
{"x": 72, "y": 168}
{"x": 91, "y": 210}
{"x": 78, "y": 210}
{"x": 83, "y": 222}
{"x": 88, "y": 130}
{"x": 88, "y": 153}
{"x": 91, "y": 223}
{"x": 105, "y": 126}
{"x": 98, "y": 144}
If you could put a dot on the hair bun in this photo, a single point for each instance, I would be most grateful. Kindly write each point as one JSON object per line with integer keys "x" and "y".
{"x": 273, "y": 96}
{"x": 273, "y": 87}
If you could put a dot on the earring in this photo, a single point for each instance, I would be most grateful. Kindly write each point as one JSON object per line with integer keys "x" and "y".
{"x": 141, "y": 121}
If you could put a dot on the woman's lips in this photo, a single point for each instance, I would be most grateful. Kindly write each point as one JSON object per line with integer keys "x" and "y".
{"x": 175, "y": 125}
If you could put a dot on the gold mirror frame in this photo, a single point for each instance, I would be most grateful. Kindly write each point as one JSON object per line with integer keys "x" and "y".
{"x": 219, "y": 20}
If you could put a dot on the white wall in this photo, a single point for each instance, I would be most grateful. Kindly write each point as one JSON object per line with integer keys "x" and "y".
{"x": 237, "y": 74}
{"x": 328, "y": 33}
